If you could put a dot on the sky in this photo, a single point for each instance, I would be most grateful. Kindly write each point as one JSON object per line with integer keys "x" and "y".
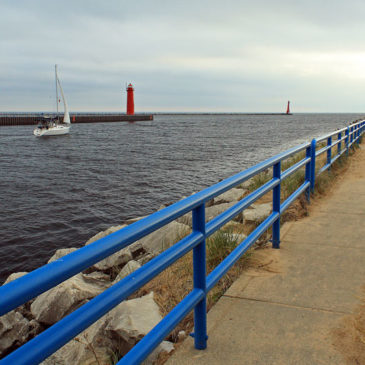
{"x": 184, "y": 56}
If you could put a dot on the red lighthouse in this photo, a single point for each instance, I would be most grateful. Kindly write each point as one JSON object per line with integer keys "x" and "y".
{"x": 130, "y": 100}
{"x": 288, "y": 108}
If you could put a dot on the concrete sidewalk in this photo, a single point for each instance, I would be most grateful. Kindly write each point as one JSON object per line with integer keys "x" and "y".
{"x": 284, "y": 310}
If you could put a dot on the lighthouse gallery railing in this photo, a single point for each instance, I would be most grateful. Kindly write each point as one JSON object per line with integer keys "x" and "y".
{"x": 40, "y": 280}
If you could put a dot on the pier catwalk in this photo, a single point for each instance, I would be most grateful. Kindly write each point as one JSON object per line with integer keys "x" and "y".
{"x": 305, "y": 303}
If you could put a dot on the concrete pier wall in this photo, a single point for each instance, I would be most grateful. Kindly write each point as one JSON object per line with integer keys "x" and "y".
{"x": 31, "y": 119}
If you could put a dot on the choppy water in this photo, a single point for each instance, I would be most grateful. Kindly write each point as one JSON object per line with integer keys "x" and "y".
{"x": 57, "y": 192}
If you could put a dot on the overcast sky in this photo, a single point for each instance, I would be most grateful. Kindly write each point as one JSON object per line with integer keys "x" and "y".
{"x": 212, "y": 56}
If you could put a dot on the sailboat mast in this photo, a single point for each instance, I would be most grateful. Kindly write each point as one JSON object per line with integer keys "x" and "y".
{"x": 55, "y": 70}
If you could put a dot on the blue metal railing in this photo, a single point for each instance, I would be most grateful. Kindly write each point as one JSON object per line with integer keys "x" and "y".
{"x": 40, "y": 280}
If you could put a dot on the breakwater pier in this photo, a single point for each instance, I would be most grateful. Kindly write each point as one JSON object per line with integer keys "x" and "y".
{"x": 7, "y": 119}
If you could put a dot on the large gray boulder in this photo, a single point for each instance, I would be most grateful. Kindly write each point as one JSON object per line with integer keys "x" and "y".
{"x": 232, "y": 195}
{"x": 257, "y": 213}
{"x": 164, "y": 237}
{"x": 60, "y": 253}
{"x": 15, "y": 330}
{"x": 133, "y": 319}
{"x": 130, "y": 267}
{"x": 105, "y": 233}
{"x": 49, "y": 307}
{"x": 120, "y": 258}
{"x": 115, "y": 333}
{"x": 210, "y": 213}
{"x": 133, "y": 220}
{"x": 215, "y": 210}
{"x": 14, "y": 275}
{"x": 116, "y": 260}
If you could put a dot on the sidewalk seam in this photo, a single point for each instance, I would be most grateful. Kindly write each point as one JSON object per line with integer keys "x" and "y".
{"x": 289, "y": 305}
{"x": 320, "y": 244}
{"x": 340, "y": 213}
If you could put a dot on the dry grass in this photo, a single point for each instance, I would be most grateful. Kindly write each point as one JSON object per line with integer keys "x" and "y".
{"x": 349, "y": 337}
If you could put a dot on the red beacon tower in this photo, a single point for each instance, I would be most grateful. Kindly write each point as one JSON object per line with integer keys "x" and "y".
{"x": 288, "y": 108}
{"x": 130, "y": 100}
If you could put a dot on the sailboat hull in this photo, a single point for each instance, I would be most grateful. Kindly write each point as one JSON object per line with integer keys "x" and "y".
{"x": 52, "y": 127}
{"x": 52, "y": 131}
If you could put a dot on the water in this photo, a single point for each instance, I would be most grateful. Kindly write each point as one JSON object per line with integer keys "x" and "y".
{"x": 57, "y": 192}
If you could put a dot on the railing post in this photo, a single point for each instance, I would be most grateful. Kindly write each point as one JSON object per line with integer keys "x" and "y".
{"x": 339, "y": 136}
{"x": 276, "y": 206}
{"x": 313, "y": 164}
{"x": 357, "y": 134}
{"x": 352, "y": 134}
{"x": 199, "y": 264}
{"x": 308, "y": 173}
{"x": 347, "y": 140}
{"x": 329, "y": 152}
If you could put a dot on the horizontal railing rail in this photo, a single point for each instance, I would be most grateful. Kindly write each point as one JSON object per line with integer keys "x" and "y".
{"x": 40, "y": 280}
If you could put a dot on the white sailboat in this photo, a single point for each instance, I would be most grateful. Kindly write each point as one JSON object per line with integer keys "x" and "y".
{"x": 49, "y": 126}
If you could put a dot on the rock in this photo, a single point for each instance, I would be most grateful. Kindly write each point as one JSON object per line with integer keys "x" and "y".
{"x": 118, "y": 259}
{"x": 49, "y": 307}
{"x": 60, "y": 253}
{"x": 97, "y": 278}
{"x": 246, "y": 184}
{"x": 144, "y": 259}
{"x": 14, "y": 332}
{"x": 133, "y": 319}
{"x": 14, "y": 275}
{"x": 133, "y": 220}
{"x": 137, "y": 250}
{"x": 90, "y": 347}
{"x": 186, "y": 219}
{"x": 232, "y": 195}
{"x": 258, "y": 213}
{"x": 115, "y": 333}
{"x": 127, "y": 269}
{"x": 209, "y": 203}
{"x": 164, "y": 346}
{"x": 181, "y": 336}
{"x": 105, "y": 233}
{"x": 215, "y": 210}
{"x": 164, "y": 237}
{"x": 210, "y": 213}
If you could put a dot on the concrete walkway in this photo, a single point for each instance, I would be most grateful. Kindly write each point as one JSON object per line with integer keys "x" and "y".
{"x": 283, "y": 311}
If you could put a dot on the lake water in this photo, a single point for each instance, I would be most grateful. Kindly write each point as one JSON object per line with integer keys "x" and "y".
{"x": 57, "y": 192}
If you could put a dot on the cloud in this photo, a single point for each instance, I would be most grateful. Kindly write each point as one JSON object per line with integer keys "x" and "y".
{"x": 181, "y": 56}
